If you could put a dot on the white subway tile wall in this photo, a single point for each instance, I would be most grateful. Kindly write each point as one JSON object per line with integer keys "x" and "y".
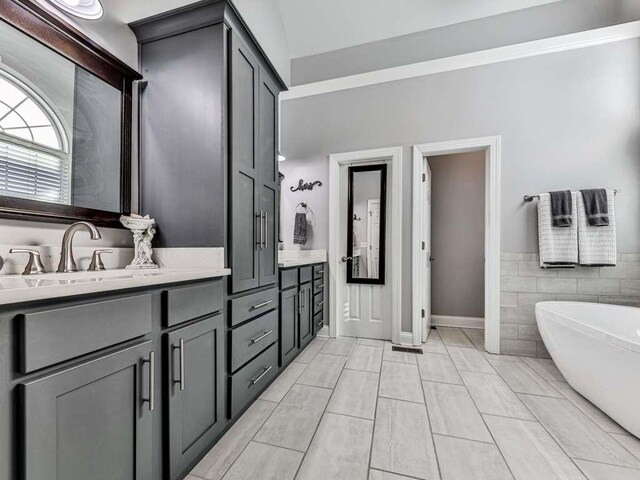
{"x": 524, "y": 283}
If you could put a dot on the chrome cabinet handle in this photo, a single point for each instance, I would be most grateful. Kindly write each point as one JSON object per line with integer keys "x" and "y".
{"x": 319, "y": 323}
{"x": 260, "y": 237}
{"x": 264, "y": 372}
{"x": 346, "y": 259}
{"x": 151, "y": 399}
{"x": 34, "y": 264}
{"x": 321, "y": 286}
{"x": 260, "y": 305}
{"x": 320, "y": 272}
{"x": 320, "y": 304}
{"x": 180, "y": 347}
{"x": 266, "y": 230}
{"x": 264, "y": 335}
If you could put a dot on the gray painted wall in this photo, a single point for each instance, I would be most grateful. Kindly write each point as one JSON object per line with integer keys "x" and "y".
{"x": 545, "y": 21}
{"x": 567, "y": 120}
{"x": 629, "y": 10}
{"x": 457, "y": 234}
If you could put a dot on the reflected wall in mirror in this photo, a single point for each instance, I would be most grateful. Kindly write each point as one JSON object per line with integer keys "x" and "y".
{"x": 366, "y": 230}
{"x": 59, "y": 128}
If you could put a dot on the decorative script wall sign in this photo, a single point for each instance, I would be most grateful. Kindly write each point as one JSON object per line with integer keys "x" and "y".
{"x": 305, "y": 186}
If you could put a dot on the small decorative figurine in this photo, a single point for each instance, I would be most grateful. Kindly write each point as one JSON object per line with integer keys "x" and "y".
{"x": 143, "y": 232}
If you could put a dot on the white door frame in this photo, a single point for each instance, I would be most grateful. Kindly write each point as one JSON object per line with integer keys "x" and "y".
{"x": 493, "y": 160}
{"x": 337, "y": 269}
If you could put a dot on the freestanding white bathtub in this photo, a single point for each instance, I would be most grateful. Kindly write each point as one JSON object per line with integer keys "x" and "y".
{"x": 597, "y": 349}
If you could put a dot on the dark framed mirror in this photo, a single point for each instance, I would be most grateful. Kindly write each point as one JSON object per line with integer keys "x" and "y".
{"x": 65, "y": 121}
{"x": 366, "y": 232}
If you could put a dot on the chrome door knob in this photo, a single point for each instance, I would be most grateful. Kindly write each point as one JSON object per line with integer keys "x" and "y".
{"x": 346, "y": 259}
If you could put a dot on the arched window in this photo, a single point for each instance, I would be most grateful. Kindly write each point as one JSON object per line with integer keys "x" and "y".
{"x": 35, "y": 161}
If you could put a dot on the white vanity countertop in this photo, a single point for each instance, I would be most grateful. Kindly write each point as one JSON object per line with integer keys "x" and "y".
{"x": 297, "y": 258}
{"x": 19, "y": 288}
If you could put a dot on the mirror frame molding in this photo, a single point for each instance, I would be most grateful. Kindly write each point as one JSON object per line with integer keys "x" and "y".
{"x": 382, "y": 168}
{"x": 53, "y": 32}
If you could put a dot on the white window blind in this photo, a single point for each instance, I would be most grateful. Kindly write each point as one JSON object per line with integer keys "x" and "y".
{"x": 33, "y": 174}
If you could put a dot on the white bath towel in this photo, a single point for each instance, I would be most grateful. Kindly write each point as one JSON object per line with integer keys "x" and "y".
{"x": 597, "y": 245}
{"x": 558, "y": 246}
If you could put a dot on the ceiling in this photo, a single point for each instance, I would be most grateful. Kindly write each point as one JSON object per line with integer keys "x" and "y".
{"x": 313, "y": 26}
{"x": 131, "y": 10}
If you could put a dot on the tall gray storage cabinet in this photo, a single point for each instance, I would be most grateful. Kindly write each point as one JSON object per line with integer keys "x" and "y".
{"x": 208, "y": 138}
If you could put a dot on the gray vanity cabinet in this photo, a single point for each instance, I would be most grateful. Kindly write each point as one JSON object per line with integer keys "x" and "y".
{"x": 247, "y": 232}
{"x": 288, "y": 325}
{"x": 306, "y": 314}
{"x": 269, "y": 199}
{"x": 182, "y": 171}
{"x": 298, "y": 313}
{"x": 208, "y": 137}
{"x": 92, "y": 420}
{"x": 195, "y": 377}
{"x": 254, "y": 173}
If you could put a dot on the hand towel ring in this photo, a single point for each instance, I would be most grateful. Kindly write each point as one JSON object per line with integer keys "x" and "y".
{"x": 303, "y": 207}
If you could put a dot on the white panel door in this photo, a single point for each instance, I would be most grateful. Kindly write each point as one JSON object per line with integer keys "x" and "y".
{"x": 367, "y": 308}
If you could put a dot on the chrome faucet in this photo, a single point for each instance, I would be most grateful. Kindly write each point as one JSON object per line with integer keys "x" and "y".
{"x": 67, "y": 263}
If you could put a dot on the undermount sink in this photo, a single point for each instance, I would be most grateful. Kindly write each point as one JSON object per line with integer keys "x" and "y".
{"x": 54, "y": 278}
{"x": 99, "y": 275}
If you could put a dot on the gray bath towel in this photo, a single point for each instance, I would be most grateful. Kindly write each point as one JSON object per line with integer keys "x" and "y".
{"x": 596, "y": 207}
{"x": 300, "y": 229}
{"x": 561, "y": 208}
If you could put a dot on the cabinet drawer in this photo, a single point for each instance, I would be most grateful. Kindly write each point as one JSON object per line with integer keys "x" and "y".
{"x": 53, "y": 336}
{"x": 318, "y": 271}
{"x": 193, "y": 301}
{"x": 288, "y": 278}
{"x": 253, "y": 337}
{"x": 247, "y": 383}
{"x": 305, "y": 274}
{"x": 244, "y": 308}
{"x": 318, "y": 302}
{"x": 318, "y": 286}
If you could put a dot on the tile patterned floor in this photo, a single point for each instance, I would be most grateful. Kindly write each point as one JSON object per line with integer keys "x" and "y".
{"x": 354, "y": 409}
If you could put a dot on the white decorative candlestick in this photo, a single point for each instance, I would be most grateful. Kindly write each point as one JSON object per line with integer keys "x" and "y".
{"x": 143, "y": 232}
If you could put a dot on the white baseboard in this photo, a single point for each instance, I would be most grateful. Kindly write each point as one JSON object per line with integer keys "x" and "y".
{"x": 323, "y": 332}
{"x": 451, "y": 321}
{"x": 406, "y": 338}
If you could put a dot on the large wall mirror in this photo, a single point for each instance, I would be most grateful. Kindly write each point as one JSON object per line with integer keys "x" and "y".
{"x": 366, "y": 232}
{"x": 65, "y": 121}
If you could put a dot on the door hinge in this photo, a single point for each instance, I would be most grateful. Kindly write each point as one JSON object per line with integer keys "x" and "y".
{"x": 424, "y": 177}
{"x": 423, "y": 245}
{"x": 423, "y": 313}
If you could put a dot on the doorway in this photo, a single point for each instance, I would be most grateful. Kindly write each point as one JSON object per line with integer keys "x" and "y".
{"x": 364, "y": 250}
{"x": 422, "y": 224}
{"x": 456, "y": 246}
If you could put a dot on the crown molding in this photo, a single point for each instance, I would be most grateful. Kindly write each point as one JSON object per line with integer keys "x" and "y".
{"x": 573, "y": 41}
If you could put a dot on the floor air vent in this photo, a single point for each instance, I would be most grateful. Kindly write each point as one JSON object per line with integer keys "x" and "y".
{"x": 407, "y": 350}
